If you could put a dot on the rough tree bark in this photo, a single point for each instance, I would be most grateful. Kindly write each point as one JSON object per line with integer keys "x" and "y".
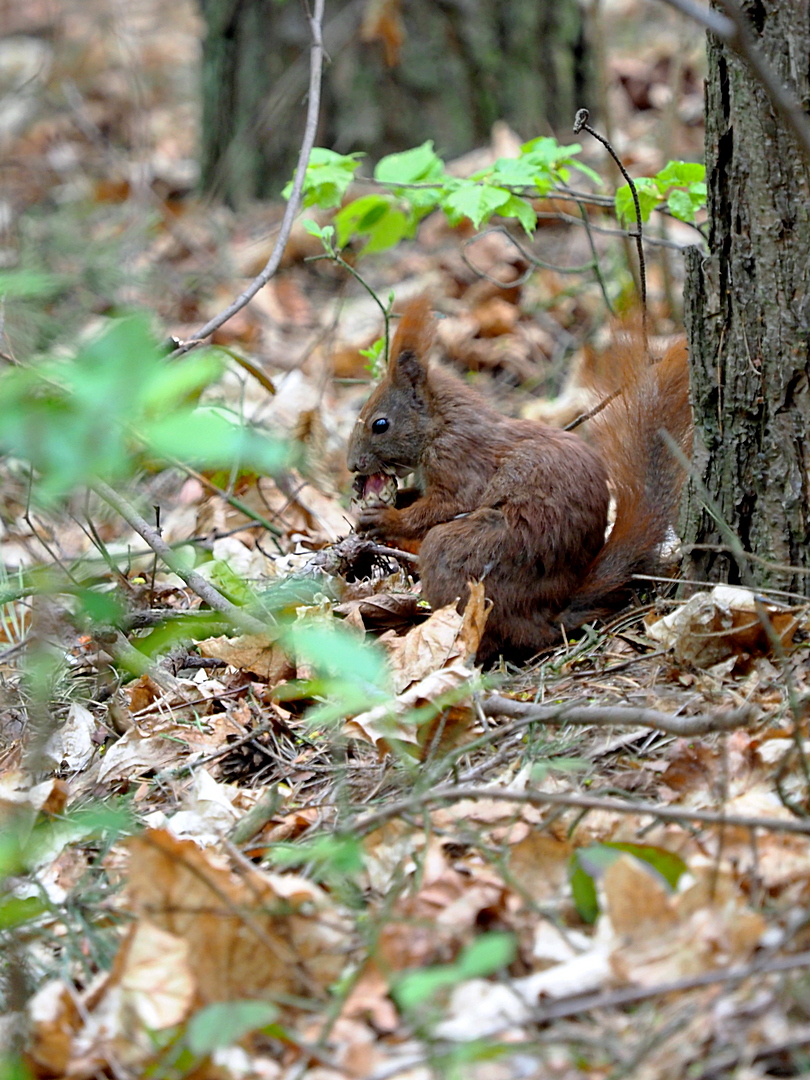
{"x": 748, "y": 312}
{"x": 400, "y": 72}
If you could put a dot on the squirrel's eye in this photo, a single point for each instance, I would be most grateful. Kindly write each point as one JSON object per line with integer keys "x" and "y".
{"x": 380, "y": 425}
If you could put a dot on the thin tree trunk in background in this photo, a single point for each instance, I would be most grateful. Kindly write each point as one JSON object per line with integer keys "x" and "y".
{"x": 400, "y": 73}
{"x": 747, "y": 310}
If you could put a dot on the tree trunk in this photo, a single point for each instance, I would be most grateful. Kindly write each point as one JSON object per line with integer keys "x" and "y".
{"x": 748, "y": 312}
{"x": 399, "y": 73}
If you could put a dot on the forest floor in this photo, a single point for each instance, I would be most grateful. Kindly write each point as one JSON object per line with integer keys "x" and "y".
{"x": 222, "y": 868}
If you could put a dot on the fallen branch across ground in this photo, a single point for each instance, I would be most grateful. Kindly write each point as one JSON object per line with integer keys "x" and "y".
{"x": 456, "y": 792}
{"x": 616, "y": 716}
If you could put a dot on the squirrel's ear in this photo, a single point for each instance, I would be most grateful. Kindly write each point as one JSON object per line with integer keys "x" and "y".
{"x": 407, "y": 368}
{"x": 412, "y": 344}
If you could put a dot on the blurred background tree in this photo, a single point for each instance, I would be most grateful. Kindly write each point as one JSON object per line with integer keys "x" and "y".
{"x": 399, "y": 73}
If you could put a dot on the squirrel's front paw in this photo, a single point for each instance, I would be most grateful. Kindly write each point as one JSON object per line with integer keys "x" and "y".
{"x": 373, "y": 501}
{"x": 376, "y": 520}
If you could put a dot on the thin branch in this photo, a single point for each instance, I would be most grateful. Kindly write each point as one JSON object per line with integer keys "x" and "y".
{"x": 204, "y": 589}
{"x": 451, "y": 792}
{"x": 294, "y": 203}
{"x": 734, "y": 30}
{"x": 615, "y": 716}
{"x": 232, "y": 500}
{"x": 632, "y": 995}
{"x": 580, "y": 123}
{"x": 603, "y": 404}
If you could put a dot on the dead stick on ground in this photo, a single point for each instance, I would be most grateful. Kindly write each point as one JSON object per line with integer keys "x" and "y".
{"x": 204, "y": 589}
{"x": 455, "y": 792}
{"x": 294, "y": 202}
{"x": 615, "y": 716}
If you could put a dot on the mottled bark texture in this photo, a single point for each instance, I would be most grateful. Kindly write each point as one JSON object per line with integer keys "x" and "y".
{"x": 748, "y": 312}
{"x": 461, "y": 65}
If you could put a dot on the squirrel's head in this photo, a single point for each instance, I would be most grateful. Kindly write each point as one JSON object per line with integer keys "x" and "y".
{"x": 393, "y": 425}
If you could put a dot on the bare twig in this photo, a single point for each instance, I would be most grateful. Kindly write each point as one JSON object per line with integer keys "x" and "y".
{"x": 580, "y": 123}
{"x": 615, "y": 716}
{"x": 634, "y": 994}
{"x": 603, "y": 404}
{"x": 237, "y": 504}
{"x": 204, "y": 589}
{"x": 451, "y": 792}
{"x": 294, "y": 203}
{"x": 734, "y": 30}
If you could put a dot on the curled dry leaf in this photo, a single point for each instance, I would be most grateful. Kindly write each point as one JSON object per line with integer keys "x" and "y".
{"x": 247, "y": 935}
{"x": 724, "y": 622}
{"x": 254, "y": 653}
{"x": 446, "y": 636}
{"x": 71, "y": 746}
{"x": 134, "y": 754}
{"x": 382, "y": 611}
{"x": 393, "y": 721}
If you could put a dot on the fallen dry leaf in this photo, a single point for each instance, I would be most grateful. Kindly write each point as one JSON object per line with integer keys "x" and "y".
{"x": 246, "y": 935}
{"x": 660, "y": 936}
{"x": 135, "y": 754}
{"x": 54, "y": 1018}
{"x": 393, "y": 721}
{"x": 254, "y": 653}
{"x": 714, "y": 625}
{"x": 154, "y": 976}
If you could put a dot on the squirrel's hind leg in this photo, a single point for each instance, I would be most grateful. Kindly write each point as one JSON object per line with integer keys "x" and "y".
{"x": 483, "y": 546}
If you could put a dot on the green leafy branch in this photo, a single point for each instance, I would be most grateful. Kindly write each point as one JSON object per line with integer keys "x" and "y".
{"x": 680, "y": 188}
{"x": 419, "y": 183}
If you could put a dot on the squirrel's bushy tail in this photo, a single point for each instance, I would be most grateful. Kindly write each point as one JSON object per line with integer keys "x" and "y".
{"x": 645, "y": 476}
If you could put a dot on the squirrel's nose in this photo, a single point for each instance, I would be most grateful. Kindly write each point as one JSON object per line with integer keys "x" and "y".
{"x": 356, "y": 462}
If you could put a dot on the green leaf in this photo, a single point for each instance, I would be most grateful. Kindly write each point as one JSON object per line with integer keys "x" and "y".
{"x": 375, "y": 216}
{"x": 360, "y": 216}
{"x": 486, "y": 955}
{"x": 327, "y": 177}
{"x": 25, "y": 283}
{"x": 588, "y": 864}
{"x": 517, "y": 173}
{"x": 225, "y": 1023}
{"x": 374, "y": 356}
{"x": 583, "y": 891}
{"x": 681, "y": 205}
{"x": 334, "y": 857}
{"x": 414, "y": 987}
{"x": 521, "y": 209}
{"x": 680, "y": 174}
{"x": 68, "y": 418}
{"x": 104, "y": 608}
{"x": 335, "y": 652}
{"x": 417, "y": 166}
{"x": 685, "y": 204}
{"x": 648, "y": 196}
{"x": 547, "y": 151}
{"x": 212, "y": 436}
{"x": 586, "y": 170}
{"x": 15, "y": 910}
{"x": 478, "y": 202}
{"x": 669, "y": 865}
{"x": 174, "y": 381}
{"x": 12, "y": 1068}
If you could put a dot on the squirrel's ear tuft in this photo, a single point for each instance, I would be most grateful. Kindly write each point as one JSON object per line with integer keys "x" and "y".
{"x": 409, "y": 369}
{"x": 412, "y": 343}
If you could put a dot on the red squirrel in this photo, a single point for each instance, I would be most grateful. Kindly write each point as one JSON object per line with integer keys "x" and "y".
{"x": 517, "y": 504}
